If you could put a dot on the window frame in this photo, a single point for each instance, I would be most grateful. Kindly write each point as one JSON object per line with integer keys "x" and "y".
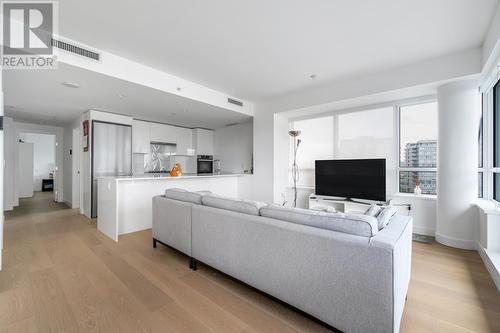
{"x": 492, "y": 170}
{"x": 399, "y": 169}
{"x": 481, "y": 165}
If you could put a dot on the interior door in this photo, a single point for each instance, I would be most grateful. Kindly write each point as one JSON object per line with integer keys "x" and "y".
{"x": 26, "y": 168}
{"x": 75, "y": 159}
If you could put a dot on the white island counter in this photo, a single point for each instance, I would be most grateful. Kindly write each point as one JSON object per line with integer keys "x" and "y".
{"x": 125, "y": 203}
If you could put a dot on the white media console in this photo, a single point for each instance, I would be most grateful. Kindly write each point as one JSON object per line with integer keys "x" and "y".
{"x": 341, "y": 205}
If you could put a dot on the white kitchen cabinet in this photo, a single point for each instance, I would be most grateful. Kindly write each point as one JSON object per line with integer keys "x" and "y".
{"x": 163, "y": 133}
{"x": 203, "y": 141}
{"x": 184, "y": 140}
{"x": 141, "y": 136}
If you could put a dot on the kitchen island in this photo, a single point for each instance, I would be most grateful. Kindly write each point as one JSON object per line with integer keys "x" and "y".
{"x": 125, "y": 202}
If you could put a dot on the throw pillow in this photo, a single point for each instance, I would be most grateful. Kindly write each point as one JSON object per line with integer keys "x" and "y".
{"x": 385, "y": 216}
{"x": 373, "y": 210}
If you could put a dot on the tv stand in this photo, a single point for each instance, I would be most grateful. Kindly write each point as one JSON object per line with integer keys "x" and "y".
{"x": 343, "y": 205}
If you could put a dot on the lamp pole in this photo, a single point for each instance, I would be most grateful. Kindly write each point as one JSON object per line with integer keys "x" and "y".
{"x": 295, "y": 168}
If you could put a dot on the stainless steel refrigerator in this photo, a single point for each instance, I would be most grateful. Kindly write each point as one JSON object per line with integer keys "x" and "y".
{"x": 111, "y": 153}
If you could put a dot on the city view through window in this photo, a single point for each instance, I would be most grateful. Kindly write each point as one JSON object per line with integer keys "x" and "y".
{"x": 418, "y": 148}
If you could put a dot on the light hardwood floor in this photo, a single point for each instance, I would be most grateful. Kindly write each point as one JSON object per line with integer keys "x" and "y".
{"x": 61, "y": 275}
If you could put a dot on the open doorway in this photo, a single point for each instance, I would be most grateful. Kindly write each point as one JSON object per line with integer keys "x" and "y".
{"x": 37, "y": 165}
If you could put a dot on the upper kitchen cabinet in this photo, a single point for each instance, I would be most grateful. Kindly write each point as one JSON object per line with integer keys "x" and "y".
{"x": 184, "y": 141}
{"x": 163, "y": 133}
{"x": 140, "y": 136}
{"x": 203, "y": 141}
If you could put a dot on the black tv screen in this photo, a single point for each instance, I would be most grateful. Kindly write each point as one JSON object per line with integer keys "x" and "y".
{"x": 353, "y": 179}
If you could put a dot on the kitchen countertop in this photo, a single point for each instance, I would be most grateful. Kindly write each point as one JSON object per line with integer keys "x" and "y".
{"x": 158, "y": 176}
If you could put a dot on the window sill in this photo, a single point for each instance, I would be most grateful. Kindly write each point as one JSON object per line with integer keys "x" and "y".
{"x": 414, "y": 196}
{"x": 488, "y": 206}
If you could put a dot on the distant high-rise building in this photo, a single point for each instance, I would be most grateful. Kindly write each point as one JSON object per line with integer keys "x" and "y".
{"x": 420, "y": 154}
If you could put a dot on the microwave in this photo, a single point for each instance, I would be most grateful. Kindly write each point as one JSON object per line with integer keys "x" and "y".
{"x": 205, "y": 164}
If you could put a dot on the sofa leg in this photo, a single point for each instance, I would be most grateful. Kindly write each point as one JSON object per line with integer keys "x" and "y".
{"x": 154, "y": 243}
{"x": 406, "y": 298}
{"x": 193, "y": 264}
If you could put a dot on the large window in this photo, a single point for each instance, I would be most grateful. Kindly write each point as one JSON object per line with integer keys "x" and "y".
{"x": 418, "y": 147}
{"x": 360, "y": 134}
{"x": 316, "y": 137}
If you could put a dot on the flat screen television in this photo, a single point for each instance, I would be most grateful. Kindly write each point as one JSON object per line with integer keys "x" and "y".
{"x": 351, "y": 179}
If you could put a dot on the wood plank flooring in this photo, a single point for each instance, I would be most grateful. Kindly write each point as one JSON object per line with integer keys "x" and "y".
{"x": 61, "y": 275}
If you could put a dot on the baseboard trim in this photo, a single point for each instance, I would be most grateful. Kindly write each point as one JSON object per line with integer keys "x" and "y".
{"x": 456, "y": 242}
{"x": 424, "y": 231}
{"x": 494, "y": 273}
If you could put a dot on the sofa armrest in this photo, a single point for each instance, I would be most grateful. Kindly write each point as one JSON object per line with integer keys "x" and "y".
{"x": 172, "y": 223}
{"x": 397, "y": 237}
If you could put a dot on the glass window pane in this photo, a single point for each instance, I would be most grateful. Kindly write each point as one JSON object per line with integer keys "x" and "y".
{"x": 480, "y": 134}
{"x": 496, "y": 186}
{"x": 418, "y": 135}
{"x": 366, "y": 134}
{"x": 316, "y": 137}
{"x": 480, "y": 185}
{"x": 427, "y": 179}
{"x": 496, "y": 125}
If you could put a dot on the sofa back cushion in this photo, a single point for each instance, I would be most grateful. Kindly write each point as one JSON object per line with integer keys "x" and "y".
{"x": 361, "y": 225}
{"x": 235, "y": 205}
{"x": 184, "y": 195}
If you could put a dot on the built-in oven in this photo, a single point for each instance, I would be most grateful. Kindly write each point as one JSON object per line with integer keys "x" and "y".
{"x": 205, "y": 164}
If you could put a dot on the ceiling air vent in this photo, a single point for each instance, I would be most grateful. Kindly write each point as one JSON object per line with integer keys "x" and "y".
{"x": 75, "y": 49}
{"x": 235, "y": 102}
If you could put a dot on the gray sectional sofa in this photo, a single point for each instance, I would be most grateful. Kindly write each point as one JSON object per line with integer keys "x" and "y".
{"x": 338, "y": 268}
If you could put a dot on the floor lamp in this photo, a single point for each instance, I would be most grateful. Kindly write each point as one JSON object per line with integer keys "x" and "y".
{"x": 295, "y": 169}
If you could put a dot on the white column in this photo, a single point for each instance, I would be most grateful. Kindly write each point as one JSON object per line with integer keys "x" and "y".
{"x": 458, "y": 104}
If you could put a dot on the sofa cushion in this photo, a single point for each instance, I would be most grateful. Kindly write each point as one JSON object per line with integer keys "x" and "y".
{"x": 184, "y": 195}
{"x": 355, "y": 224}
{"x": 373, "y": 210}
{"x": 385, "y": 216}
{"x": 241, "y": 206}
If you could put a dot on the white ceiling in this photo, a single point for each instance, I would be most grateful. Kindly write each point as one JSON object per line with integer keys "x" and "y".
{"x": 39, "y": 96}
{"x": 262, "y": 49}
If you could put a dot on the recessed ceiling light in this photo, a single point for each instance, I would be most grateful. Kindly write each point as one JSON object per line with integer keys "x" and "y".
{"x": 313, "y": 76}
{"x": 70, "y": 84}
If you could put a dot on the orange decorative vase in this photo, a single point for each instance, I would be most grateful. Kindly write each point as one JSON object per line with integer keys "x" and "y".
{"x": 176, "y": 170}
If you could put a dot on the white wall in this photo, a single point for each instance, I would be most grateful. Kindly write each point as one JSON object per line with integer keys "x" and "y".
{"x": 233, "y": 146}
{"x": 259, "y": 186}
{"x": 9, "y": 193}
{"x": 44, "y": 156}
{"x": 68, "y": 160}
